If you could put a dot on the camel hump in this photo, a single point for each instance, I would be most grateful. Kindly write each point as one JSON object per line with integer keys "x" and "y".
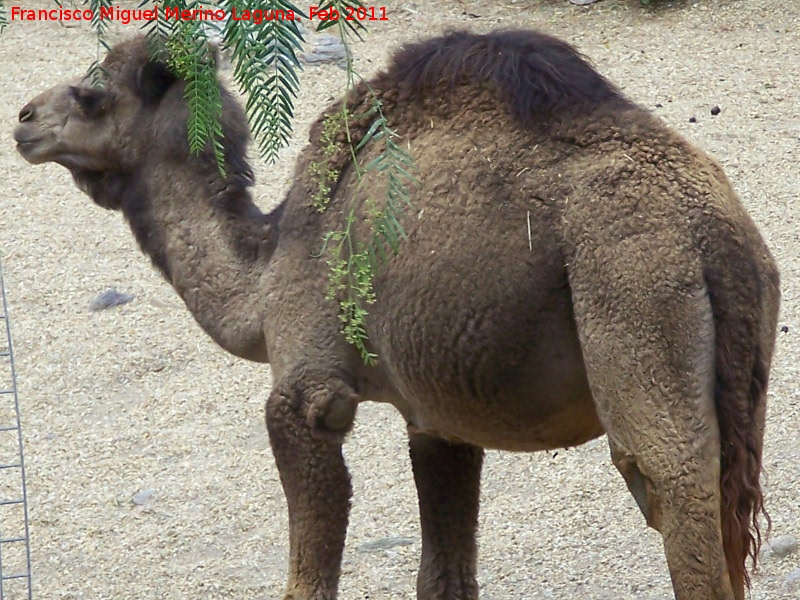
{"x": 538, "y": 74}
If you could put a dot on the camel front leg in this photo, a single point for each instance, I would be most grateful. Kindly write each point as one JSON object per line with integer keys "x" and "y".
{"x": 448, "y": 484}
{"x": 307, "y": 423}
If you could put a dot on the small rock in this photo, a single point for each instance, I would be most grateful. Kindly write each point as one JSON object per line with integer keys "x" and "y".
{"x": 107, "y": 299}
{"x": 780, "y": 547}
{"x": 385, "y": 544}
{"x": 582, "y": 2}
{"x": 327, "y": 48}
{"x": 141, "y": 497}
{"x": 716, "y": 110}
{"x": 784, "y": 329}
{"x": 792, "y": 581}
{"x": 692, "y": 120}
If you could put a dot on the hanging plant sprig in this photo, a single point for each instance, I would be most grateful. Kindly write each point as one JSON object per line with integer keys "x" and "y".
{"x": 193, "y": 60}
{"x": 354, "y": 263}
{"x": 100, "y": 27}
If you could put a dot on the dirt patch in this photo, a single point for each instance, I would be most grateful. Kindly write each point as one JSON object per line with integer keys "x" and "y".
{"x": 135, "y": 402}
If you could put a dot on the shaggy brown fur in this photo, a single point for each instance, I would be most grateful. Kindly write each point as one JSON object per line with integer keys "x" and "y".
{"x": 573, "y": 268}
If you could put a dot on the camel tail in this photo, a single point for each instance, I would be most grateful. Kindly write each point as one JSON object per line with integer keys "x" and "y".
{"x": 744, "y": 291}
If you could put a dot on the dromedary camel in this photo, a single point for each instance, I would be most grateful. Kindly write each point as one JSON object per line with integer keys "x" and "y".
{"x": 573, "y": 268}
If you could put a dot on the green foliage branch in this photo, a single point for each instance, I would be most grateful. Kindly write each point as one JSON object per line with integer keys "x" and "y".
{"x": 195, "y": 63}
{"x": 354, "y": 263}
{"x": 265, "y": 66}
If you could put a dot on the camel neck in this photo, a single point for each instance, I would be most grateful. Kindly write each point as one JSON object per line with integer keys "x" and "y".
{"x": 212, "y": 243}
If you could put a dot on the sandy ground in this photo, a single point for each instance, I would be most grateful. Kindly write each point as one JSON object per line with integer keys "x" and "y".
{"x": 137, "y": 399}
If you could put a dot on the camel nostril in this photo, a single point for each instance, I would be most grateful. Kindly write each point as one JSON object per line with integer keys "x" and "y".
{"x": 26, "y": 114}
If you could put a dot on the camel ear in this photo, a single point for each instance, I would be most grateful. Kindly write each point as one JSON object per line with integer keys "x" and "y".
{"x": 154, "y": 81}
{"x": 93, "y": 102}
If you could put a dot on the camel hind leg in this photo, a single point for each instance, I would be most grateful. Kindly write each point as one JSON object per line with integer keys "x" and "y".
{"x": 447, "y": 476}
{"x": 647, "y": 334}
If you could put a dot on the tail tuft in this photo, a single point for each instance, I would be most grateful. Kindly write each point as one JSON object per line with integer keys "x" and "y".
{"x": 745, "y": 305}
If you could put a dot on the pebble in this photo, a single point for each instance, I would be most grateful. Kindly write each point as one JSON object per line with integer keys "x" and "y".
{"x": 326, "y": 48}
{"x": 582, "y": 2}
{"x": 780, "y": 547}
{"x": 141, "y": 497}
{"x": 716, "y": 110}
{"x": 109, "y": 298}
{"x": 792, "y": 581}
{"x": 385, "y": 544}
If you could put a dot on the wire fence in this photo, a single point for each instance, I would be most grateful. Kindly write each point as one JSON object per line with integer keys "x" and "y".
{"x": 15, "y": 551}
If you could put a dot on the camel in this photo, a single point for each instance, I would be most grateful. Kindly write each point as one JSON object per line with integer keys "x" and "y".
{"x": 572, "y": 268}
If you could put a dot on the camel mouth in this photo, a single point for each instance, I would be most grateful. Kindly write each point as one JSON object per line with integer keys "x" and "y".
{"x": 29, "y": 151}
{"x": 29, "y": 144}
{"x": 24, "y": 137}
{"x": 22, "y": 147}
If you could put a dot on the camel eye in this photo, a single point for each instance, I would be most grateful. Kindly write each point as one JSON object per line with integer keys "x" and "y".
{"x": 91, "y": 101}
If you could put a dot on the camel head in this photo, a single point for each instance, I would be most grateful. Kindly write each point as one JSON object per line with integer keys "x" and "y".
{"x": 89, "y": 126}
{"x": 107, "y": 129}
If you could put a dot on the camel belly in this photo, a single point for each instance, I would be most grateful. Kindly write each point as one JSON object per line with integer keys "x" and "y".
{"x": 572, "y": 426}
{"x": 500, "y": 381}
{"x": 478, "y": 339}
{"x": 546, "y": 405}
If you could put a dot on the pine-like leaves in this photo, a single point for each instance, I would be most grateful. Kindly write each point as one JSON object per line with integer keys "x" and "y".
{"x": 191, "y": 58}
{"x": 397, "y": 165}
{"x": 3, "y": 16}
{"x": 264, "y": 58}
{"x": 99, "y": 25}
{"x": 344, "y": 8}
{"x": 265, "y": 66}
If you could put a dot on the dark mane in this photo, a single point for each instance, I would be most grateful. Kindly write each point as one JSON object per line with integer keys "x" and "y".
{"x": 538, "y": 74}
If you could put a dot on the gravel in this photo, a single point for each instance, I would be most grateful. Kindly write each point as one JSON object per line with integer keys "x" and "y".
{"x": 137, "y": 398}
